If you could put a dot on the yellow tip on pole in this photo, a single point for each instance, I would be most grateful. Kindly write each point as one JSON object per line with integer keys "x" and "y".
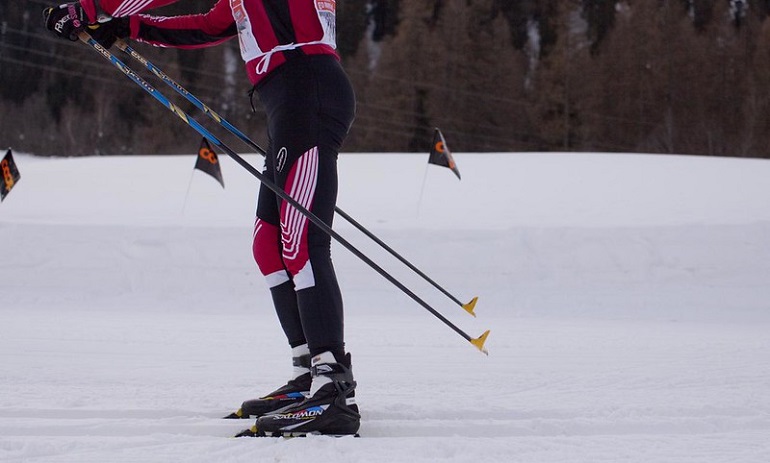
{"x": 479, "y": 342}
{"x": 471, "y": 305}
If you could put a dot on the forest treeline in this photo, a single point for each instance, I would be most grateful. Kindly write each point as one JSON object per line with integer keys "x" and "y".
{"x": 655, "y": 76}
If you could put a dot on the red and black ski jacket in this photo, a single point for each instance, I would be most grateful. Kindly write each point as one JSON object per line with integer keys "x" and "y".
{"x": 269, "y": 31}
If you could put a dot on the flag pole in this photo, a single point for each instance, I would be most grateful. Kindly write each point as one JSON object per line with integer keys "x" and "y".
{"x": 186, "y": 195}
{"x": 422, "y": 190}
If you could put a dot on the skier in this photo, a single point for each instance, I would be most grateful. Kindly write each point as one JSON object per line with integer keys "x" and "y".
{"x": 289, "y": 47}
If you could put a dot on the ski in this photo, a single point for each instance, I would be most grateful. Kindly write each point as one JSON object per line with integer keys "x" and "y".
{"x": 254, "y": 432}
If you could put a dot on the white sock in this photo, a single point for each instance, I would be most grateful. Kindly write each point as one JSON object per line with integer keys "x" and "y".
{"x": 321, "y": 380}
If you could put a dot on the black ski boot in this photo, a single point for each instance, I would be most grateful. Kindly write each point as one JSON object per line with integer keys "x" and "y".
{"x": 331, "y": 408}
{"x": 293, "y": 392}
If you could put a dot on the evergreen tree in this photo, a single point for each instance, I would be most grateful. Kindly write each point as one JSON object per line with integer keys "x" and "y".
{"x": 600, "y": 16}
{"x": 687, "y": 76}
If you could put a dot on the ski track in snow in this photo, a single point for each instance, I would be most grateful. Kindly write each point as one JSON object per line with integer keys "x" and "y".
{"x": 627, "y": 298}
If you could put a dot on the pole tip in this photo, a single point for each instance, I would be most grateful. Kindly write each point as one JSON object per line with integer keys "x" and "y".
{"x": 471, "y": 305}
{"x": 479, "y": 342}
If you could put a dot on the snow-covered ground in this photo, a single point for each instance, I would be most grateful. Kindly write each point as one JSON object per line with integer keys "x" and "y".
{"x": 628, "y": 298}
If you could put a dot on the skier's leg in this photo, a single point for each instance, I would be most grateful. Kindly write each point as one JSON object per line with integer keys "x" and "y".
{"x": 310, "y": 176}
{"x": 267, "y": 253}
{"x": 312, "y": 180}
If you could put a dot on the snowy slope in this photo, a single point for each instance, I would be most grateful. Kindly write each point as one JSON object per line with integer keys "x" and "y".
{"x": 628, "y": 298}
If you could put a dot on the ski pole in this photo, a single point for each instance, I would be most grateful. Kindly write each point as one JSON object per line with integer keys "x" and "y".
{"x": 124, "y": 46}
{"x": 161, "y": 98}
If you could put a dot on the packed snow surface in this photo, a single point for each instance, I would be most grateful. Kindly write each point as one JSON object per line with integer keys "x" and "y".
{"x": 628, "y": 298}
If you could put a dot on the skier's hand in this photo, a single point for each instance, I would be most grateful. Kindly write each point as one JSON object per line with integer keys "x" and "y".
{"x": 108, "y": 32}
{"x": 65, "y": 20}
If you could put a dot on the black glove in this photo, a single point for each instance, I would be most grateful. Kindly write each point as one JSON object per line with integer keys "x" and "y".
{"x": 108, "y": 32}
{"x": 65, "y": 20}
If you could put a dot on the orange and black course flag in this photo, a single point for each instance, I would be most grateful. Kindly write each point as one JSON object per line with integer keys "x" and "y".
{"x": 10, "y": 174}
{"x": 209, "y": 162}
{"x": 440, "y": 154}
